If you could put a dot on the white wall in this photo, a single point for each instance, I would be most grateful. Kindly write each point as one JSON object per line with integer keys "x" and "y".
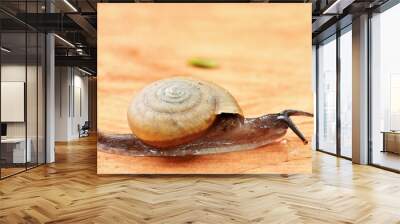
{"x": 62, "y": 82}
{"x": 81, "y": 89}
{"x": 71, "y": 94}
{"x": 33, "y": 127}
{"x": 12, "y": 73}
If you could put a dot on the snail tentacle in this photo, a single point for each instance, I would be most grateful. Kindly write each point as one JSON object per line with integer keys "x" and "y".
{"x": 285, "y": 116}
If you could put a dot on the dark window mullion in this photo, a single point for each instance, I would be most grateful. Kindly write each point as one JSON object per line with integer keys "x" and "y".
{"x": 26, "y": 87}
{"x": 369, "y": 90}
{"x": 338, "y": 80}
{"x": 44, "y": 71}
{"x": 317, "y": 96}
{"x": 37, "y": 90}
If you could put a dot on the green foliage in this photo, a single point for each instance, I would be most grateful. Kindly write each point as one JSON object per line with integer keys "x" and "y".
{"x": 202, "y": 62}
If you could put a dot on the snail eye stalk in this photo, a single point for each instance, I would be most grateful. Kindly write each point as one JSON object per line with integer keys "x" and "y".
{"x": 285, "y": 116}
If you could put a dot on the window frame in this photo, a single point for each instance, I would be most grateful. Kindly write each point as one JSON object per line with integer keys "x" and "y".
{"x": 338, "y": 34}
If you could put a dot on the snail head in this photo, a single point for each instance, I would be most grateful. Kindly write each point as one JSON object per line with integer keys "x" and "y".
{"x": 285, "y": 117}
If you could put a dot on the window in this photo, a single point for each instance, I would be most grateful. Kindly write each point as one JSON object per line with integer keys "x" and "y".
{"x": 327, "y": 95}
{"x": 346, "y": 92}
{"x": 385, "y": 89}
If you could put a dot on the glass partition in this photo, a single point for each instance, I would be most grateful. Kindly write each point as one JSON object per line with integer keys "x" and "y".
{"x": 22, "y": 77}
{"x": 13, "y": 95}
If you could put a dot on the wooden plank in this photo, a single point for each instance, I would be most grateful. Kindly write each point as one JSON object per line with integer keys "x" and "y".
{"x": 70, "y": 191}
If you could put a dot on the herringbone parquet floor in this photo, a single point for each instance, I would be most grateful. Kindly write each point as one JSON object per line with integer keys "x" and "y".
{"x": 70, "y": 191}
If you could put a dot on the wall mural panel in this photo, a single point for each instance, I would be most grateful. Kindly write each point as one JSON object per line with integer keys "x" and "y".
{"x": 204, "y": 88}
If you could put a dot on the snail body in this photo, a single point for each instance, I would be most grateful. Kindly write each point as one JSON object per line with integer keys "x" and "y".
{"x": 183, "y": 116}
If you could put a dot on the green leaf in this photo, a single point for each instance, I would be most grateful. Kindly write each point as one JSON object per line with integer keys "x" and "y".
{"x": 203, "y": 62}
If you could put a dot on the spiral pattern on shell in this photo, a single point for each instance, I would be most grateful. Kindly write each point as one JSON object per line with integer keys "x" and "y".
{"x": 174, "y": 111}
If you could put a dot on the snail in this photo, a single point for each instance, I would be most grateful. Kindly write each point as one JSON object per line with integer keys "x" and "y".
{"x": 183, "y": 116}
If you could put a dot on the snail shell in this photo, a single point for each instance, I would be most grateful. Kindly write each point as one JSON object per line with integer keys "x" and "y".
{"x": 174, "y": 111}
